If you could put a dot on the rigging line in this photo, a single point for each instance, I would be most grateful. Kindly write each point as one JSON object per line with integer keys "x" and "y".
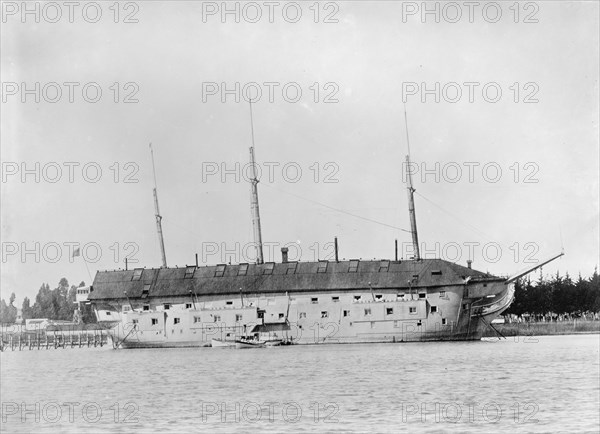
{"x": 339, "y": 210}
{"x": 153, "y": 168}
{"x": 406, "y": 123}
{"x": 251, "y": 123}
{"x": 87, "y": 268}
{"x": 473, "y": 228}
{"x": 170, "y": 222}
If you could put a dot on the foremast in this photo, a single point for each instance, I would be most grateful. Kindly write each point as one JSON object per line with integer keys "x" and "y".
{"x": 254, "y": 199}
{"x": 157, "y": 215}
{"x": 411, "y": 199}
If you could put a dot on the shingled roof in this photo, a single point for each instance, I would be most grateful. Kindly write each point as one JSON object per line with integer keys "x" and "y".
{"x": 291, "y": 277}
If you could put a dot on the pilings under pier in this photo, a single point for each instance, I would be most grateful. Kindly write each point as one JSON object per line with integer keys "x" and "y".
{"x": 53, "y": 340}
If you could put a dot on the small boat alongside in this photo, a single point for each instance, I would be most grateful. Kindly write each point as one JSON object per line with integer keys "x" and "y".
{"x": 218, "y": 343}
{"x": 240, "y": 343}
{"x": 248, "y": 343}
{"x": 273, "y": 334}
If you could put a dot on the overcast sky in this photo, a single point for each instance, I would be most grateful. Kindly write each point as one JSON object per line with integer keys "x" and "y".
{"x": 364, "y": 58}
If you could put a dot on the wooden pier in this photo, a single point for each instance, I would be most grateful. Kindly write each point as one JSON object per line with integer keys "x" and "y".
{"x": 53, "y": 340}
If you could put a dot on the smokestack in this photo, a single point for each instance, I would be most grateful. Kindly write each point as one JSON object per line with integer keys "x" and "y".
{"x": 469, "y": 262}
{"x": 336, "y": 249}
{"x": 196, "y": 260}
{"x": 396, "y": 249}
{"x": 284, "y": 255}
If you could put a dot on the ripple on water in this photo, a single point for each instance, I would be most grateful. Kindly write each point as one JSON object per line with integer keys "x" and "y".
{"x": 548, "y": 385}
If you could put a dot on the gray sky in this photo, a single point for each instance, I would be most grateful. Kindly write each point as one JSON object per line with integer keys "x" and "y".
{"x": 365, "y": 63}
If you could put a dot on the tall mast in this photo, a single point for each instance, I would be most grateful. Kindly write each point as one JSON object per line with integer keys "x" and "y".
{"x": 157, "y": 215}
{"x": 254, "y": 199}
{"x": 411, "y": 198}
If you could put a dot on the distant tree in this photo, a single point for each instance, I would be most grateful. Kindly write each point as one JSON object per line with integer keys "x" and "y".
{"x": 8, "y": 312}
{"x": 43, "y": 307}
{"x": 26, "y": 309}
{"x": 57, "y": 303}
{"x": 518, "y": 307}
{"x": 558, "y": 295}
{"x": 594, "y": 291}
{"x": 3, "y": 312}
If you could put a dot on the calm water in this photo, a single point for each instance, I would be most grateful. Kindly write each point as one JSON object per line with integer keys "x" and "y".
{"x": 545, "y": 384}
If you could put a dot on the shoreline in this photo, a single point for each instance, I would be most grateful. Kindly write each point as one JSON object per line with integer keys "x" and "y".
{"x": 576, "y": 327}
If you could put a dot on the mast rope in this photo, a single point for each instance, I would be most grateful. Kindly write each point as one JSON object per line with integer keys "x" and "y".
{"x": 339, "y": 210}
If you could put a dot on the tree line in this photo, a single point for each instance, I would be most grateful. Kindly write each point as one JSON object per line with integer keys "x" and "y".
{"x": 555, "y": 295}
{"x": 54, "y": 304}
{"x": 558, "y": 295}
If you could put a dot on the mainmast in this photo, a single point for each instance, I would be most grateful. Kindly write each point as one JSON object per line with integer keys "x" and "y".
{"x": 254, "y": 199}
{"x": 158, "y": 216}
{"x": 411, "y": 198}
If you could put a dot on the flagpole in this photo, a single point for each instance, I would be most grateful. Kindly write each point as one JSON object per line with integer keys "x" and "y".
{"x": 87, "y": 268}
{"x": 77, "y": 252}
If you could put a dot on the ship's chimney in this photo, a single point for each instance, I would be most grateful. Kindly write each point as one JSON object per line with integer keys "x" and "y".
{"x": 284, "y": 255}
{"x": 396, "y": 249}
{"x": 336, "y": 249}
{"x": 469, "y": 262}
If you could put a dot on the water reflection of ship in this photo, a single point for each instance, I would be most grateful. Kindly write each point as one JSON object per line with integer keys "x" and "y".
{"x": 337, "y": 301}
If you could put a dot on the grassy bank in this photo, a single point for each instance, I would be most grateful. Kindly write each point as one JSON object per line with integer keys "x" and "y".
{"x": 545, "y": 328}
